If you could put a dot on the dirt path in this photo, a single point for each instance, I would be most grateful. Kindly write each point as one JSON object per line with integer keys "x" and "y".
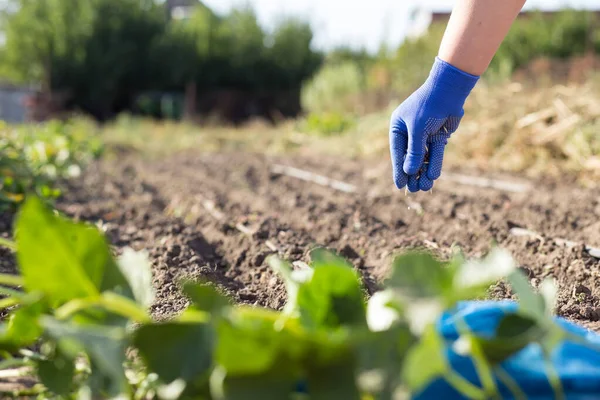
{"x": 218, "y": 216}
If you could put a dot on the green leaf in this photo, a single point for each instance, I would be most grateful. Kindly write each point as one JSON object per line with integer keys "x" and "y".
{"x": 498, "y": 264}
{"x": 252, "y": 340}
{"x": 425, "y": 362}
{"x": 554, "y": 336}
{"x": 108, "y": 309}
{"x": 514, "y": 325}
{"x": 333, "y": 297}
{"x": 334, "y": 381}
{"x": 205, "y": 297}
{"x": 420, "y": 275}
{"x": 514, "y": 333}
{"x": 105, "y": 346}
{"x": 247, "y": 346}
{"x": 23, "y": 327}
{"x": 530, "y": 303}
{"x": 57, "y": 373}
{"x": 284, "y": 270}
{"x": 137, "y": 270}
{"x": 321, "y": 258}
{"x": 276, "y": 384}
{"x": 383, "y": 353}
{"x": 176, "y": 350}
{"x": 63, "y": 259}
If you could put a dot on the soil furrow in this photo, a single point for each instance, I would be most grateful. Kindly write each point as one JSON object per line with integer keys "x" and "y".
{"x": 367, "y": 227}
{"x": 161, "y": 206}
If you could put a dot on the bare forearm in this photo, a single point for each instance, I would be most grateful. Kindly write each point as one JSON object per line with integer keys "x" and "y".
{"x": 475, "y": 32}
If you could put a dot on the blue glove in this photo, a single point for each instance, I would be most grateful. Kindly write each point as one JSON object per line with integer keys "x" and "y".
{"x": 422, "y": 125}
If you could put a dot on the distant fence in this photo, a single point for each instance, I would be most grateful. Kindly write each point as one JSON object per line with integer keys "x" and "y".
{"x": 13, "y": 108}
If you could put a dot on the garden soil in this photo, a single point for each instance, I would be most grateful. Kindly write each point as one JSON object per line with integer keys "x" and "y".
{"x": 218, "y": 216}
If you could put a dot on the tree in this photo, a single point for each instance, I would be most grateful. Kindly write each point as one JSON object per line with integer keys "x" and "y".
{"x": 242, "y": 40}
{"x": 291, "y": 53}
{"x": 102, "y": 54}
{"x": 117, "y": 61}
{"x": 39, "y": 34}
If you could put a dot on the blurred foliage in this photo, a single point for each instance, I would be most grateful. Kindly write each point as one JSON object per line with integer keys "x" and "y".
{"x": 567, "y": 34}
{"x": 332, "y": 88}
{"x": 101, "y": 54}
{"x": 109, "y": 56}
{"x": 77, "y": 304}
{"x": 413, "y": 59}
{"x": 34, "y": 157}
{"x": 327, "y": 123}
{"x": 348, "y": 75}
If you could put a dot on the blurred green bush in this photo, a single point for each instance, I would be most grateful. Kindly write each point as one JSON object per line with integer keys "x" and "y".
{"x": 333, "y": 87}
{"x": 393, "y": 75}
{"x": 564, "y": 35}
{"x": 100, "y": 54}
{"x": 34, "y": 157}
{"x": 327, "y": 123}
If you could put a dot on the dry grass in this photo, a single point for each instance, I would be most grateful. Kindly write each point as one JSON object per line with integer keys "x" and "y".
{"x": 547, "y": 131}
{"x": 551, "y": 131}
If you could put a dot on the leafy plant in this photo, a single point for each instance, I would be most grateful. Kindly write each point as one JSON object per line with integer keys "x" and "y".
{"x": 333, "y": 88}
{"x": 327, "y": 123}
{"x": 84, "y": 310}
{"x": 34, "y": 157}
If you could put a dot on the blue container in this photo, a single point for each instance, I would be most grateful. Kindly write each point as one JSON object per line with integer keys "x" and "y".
{"x": 578, "y": 366}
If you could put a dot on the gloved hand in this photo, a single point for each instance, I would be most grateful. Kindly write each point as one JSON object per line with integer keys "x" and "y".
{"x": 421, "y": 126}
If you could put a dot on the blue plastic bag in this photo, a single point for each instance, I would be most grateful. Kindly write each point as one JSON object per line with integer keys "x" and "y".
{"x": 578, "y": 366}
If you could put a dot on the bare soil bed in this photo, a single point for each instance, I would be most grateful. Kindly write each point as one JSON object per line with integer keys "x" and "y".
{"x": 218, "y": 216}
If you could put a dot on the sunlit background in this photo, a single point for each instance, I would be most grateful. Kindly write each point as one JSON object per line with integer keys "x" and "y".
{"x": 214, "y": 134}
{"x": 365, "y": 23}
{"x": 309, "y": 69}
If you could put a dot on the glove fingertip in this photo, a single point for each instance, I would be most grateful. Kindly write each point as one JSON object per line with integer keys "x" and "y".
{"x": 425, "y": 184}
{"x": 413, "y": 184}
{"x": 434, "y": 174}
{"x": 400, "y": 179}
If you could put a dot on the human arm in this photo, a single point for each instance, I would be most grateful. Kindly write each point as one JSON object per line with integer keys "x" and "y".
{"x": 422, "y": 125}
{"x": 475, "y": 31}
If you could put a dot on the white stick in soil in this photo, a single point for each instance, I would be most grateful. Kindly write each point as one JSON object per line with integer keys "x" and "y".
{"x": 469, "y": 180}
{"x": 592, "y": 251}
{"x": 312, "y": 177}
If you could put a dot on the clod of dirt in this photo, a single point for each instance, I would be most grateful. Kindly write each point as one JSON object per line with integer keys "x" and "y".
{"x": 592, "y": 314}
{"x": 527, "y": 272}
{"x": 348, "y": 252}
{"x": 581, "y": 289}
